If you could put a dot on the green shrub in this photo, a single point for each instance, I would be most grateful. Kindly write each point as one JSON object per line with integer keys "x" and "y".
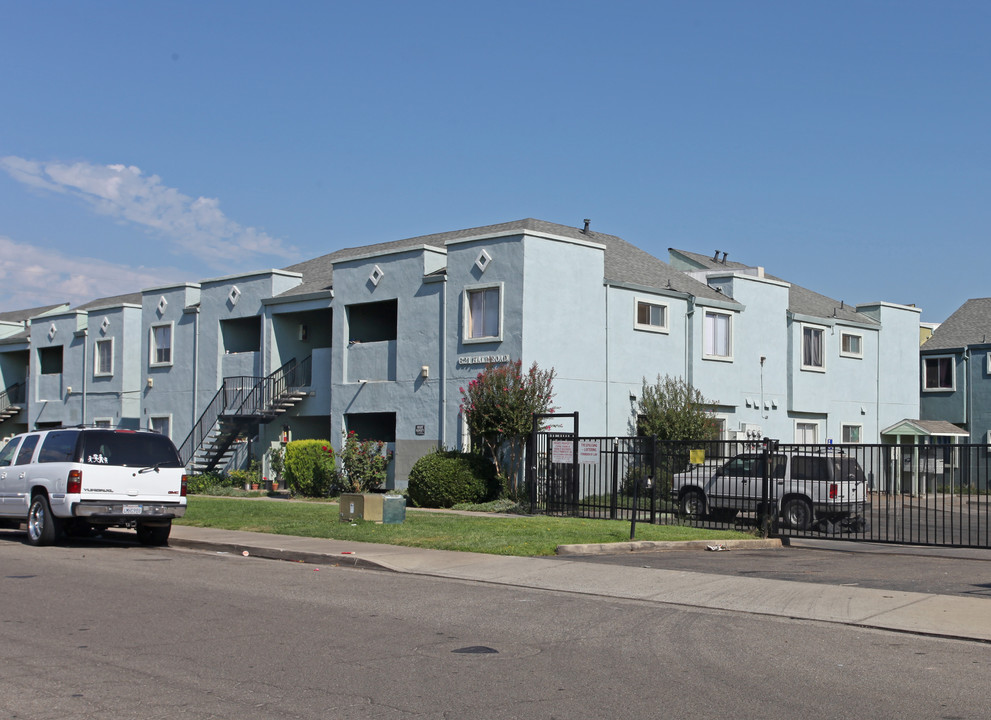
{"x": 309, "y": 468}
{"x": 446, "y": 477}
{"x": 241, "y": 478}
{"x": 196, "y": 484}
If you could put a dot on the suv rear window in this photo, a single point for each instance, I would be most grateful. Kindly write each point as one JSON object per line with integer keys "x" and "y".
{"x": 129, "y": 449}
{"x": 59, "y": 446}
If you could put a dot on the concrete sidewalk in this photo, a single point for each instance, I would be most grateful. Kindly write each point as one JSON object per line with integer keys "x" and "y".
{"x": 921, "y": 613}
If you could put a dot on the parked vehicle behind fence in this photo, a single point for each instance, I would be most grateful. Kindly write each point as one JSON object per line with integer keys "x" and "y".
{"x": 805, "y": 489}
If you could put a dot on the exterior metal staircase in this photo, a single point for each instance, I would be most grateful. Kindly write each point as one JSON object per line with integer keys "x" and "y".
{"x": 12, "y": 401}
{"x": 241, "y": 404}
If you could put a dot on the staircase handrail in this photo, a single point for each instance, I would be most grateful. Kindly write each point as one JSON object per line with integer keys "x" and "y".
{"x": 230, "y": 392}
{"x": 12, "y": 395}
{"x": 289, "y": 377}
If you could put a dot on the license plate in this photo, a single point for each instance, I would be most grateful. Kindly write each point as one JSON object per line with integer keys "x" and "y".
{"x": 132, "y": 510}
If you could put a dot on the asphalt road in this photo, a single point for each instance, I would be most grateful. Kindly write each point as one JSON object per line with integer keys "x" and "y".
{"x": 116, "y": 630}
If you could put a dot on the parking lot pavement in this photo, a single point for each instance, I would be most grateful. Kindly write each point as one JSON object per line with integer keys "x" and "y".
{"x": 938, "y": 571}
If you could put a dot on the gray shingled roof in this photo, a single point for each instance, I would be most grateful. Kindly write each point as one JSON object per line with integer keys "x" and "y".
{"x": 25, "y": 315}
{"x": 624, "y": 262}
{"x": 969, "y": 325}
{"x": 113, "y": 301}
{"x": 801, "y": 300}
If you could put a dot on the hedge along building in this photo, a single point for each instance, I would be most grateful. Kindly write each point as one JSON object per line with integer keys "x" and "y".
{"x": 388, "y": 333}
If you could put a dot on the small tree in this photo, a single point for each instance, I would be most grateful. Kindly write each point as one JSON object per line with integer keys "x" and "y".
{"x": 673, "y": 410}
{"x": 499, "y": 405}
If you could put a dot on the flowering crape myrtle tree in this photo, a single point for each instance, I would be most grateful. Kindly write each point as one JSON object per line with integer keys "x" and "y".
{"x": 498, "y": 406}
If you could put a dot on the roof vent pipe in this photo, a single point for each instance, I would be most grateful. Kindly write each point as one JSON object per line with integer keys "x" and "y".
{"x": 724, "y": 257}
{"x": 587, "y": 221}
{"x": 715, "y": 258}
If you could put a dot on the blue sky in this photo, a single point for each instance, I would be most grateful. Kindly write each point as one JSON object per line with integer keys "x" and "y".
{"x": 842, "y": 145}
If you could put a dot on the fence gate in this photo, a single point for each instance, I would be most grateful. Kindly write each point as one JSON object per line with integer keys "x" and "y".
{"x": 592, "y": 477}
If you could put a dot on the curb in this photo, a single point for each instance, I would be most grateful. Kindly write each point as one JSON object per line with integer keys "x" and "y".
{"x": 268, "y": 553}
{"x": 655, "y": 545}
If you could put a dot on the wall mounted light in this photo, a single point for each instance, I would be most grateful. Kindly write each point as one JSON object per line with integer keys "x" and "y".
{"x": 425, "y": 372}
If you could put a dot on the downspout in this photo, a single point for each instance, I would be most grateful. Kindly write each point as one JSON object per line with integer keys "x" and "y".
{"x": 607, "y": 360}
{"x": 966, "y": 394}
{"x": 689, "y": 340}
{"x": 196, "y": 367}
{"x": 85, "y": 332}
{"x": 443, "y": 362}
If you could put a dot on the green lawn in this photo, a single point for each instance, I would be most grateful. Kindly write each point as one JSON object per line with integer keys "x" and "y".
{"x": 536, "y": 535}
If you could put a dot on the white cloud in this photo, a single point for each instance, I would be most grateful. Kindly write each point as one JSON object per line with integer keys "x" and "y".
{"x": 197, "y": 226}
{"x": 31, "y": 276}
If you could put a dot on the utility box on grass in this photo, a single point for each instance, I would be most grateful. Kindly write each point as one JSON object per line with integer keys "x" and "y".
{"x": 373, "y": 507}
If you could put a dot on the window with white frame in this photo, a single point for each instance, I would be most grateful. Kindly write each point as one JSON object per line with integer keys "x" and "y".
{"x": 852, "y": 433}
{"x": 717, "y": 335}
{"x": 806, "y": 433}
{"x": 851, "y": 345}
{"x": 103, "y": 357}
{"x": 483, "y": 313}
{"x": 813, "y": 348}
{"x": 938, "y": 373}
{"x": 103, "y": 422}
{"x": 162, "y": 424}
{"x": 651, "y": 316}
{"x": 161, "y": 344}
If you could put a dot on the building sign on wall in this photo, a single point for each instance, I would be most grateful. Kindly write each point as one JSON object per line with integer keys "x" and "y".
{"x": 482, "y": 359}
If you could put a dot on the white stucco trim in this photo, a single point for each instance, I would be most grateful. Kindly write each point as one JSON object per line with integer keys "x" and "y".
{"x": 663, "y": 328}
{"x": 953, "y": 373}
{"x": 152, "y": 347}
{"x": 96, "y": 357}
{"x": 466, "y": 313}
{"x": 858, "y": 355}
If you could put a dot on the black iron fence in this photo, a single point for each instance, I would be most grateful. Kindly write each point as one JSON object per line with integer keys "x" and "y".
{"x": 930, "y": 494}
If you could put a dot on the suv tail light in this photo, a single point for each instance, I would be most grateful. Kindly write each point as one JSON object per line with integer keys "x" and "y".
{"x": 834, "y": 491}
{"x": 182, "y": 489}
{"x": 74, "y": 483}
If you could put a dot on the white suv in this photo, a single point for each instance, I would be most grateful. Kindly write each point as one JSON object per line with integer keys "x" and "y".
{"x": 807, "y": 489}
{"x": 78, "y": 480}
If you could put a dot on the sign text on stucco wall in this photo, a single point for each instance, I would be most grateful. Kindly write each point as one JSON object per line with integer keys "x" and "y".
{"x": 482, "y": 359}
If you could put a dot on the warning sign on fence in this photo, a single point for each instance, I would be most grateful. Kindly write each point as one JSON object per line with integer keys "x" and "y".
{"x": 563, "y": 451}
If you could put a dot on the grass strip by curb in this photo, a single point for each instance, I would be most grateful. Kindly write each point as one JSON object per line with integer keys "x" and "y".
{"x": 523, "y": 535}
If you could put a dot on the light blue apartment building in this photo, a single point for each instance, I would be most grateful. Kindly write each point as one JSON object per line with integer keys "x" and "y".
{"x": 378, "y": 339}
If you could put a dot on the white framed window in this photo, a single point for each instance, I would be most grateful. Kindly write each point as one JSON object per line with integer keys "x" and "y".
{"x": 161, "y": 344}
{"x": 162, "y": 424}
{"x": 483, "y": 313}
{"x": 651, "y": 316}
{"x": 813, "y": 348}
{"x": 851, "y": 345}
{"x": 852, "y": 433}
{"x": 717, "y": 341}
{"x": 103, "y": 422}
{"x": 103, "y": 357}
{"x": 938, "y": 374}
{"x": 806, "y": 432}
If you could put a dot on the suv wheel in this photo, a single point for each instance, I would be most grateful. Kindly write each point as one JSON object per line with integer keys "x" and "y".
{"x": 692, "y": 504}
{"x": 43, "y": 527}
{"x": 154, "y": 534}
{"x": 797, "y": 514}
